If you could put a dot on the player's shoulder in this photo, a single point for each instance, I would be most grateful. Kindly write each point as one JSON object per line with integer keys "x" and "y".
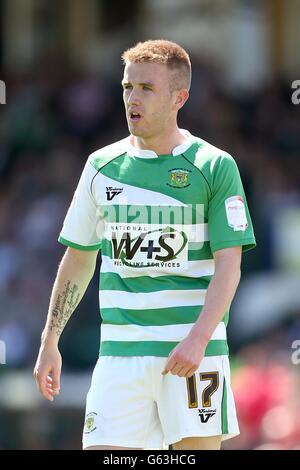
{"x": 209, "y": 157}
{"x": 104, "y": 155}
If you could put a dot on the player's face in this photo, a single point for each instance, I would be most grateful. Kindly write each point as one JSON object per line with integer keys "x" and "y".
{"x": 149, "y": 103}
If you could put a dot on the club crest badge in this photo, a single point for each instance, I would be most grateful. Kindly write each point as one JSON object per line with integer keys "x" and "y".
{"x": 179, "y": 178}
{"x": 89, "y": 424}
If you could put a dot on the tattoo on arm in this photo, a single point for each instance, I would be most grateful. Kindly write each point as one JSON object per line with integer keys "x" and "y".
{"x": 65, "y": 305}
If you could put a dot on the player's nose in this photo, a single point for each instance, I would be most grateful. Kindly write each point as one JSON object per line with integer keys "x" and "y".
{"x": 134, "y": 98}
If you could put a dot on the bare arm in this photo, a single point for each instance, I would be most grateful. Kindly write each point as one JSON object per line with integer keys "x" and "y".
{"x": 74, "y": 274}
{"x": 185, "y": 359}
{"x": 220, "y": 293}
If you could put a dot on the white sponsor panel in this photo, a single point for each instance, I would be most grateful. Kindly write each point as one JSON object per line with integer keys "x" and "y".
{"x": 139, "y": 245}
{"x": 194, "y": 233}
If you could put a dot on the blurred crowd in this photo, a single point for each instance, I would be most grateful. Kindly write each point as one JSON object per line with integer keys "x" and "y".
{"x": 266, "y": 380}
{"x": 54, "y": 118}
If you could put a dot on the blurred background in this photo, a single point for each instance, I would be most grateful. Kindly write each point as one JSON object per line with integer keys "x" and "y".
{"x": 60, "y": 62}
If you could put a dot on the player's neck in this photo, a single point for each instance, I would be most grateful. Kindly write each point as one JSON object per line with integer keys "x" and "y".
{"x": 161, "y": 144}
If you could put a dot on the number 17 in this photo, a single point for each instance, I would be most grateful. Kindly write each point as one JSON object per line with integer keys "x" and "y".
{"x": 213, "y": 377}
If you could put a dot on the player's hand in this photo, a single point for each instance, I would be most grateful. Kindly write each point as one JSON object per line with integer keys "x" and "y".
{"x": 185, "y": 359}
{"x": 47, "y": 371}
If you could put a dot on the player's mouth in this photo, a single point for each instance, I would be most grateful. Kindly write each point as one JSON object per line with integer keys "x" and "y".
{"x": 134, "y": 116}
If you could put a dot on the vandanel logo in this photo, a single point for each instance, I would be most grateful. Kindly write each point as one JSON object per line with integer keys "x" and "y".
{"x": 150, "y": 248}
{"x": 112, "y": 192}
{"x": 179, "y": 178}
{"x": 205, "y": 415}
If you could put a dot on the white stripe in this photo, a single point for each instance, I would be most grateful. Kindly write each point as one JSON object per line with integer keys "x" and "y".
{"x": 153, "y": 333}
{"x": 195, "y": 232}
{"x": 161, "y": 299}
{"x": 130, "y": 195}
{"x": 197, "y": 268}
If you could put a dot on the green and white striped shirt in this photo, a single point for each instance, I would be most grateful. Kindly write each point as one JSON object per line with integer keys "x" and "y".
{"x": 157, "y": 220}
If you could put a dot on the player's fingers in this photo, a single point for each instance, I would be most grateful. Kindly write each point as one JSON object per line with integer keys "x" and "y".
{"x": 49, "y": 382}
{"x": 169, "y": 365}
{"x": 190, "y": 372}
{"x": 185, "y": 371}
{"x": 176, "y": 369}
{"x": 56, "y": 381}
{"x": 40, "y": 378}
{"x": 46, "y": 389}
{"x": 48, "y": 395}
{"x": 49, "y": 385}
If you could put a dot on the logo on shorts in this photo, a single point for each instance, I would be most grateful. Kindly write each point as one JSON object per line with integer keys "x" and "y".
{"x": 205, "y": 415}
{"x": 89, "y": 424}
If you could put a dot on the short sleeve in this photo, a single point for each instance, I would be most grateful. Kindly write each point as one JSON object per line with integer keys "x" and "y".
{"x": 82, "y": 224}
{"x": 229, "y": 222}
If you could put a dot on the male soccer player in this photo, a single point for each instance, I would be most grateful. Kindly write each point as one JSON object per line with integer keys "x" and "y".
{"x": 168, "y": 212}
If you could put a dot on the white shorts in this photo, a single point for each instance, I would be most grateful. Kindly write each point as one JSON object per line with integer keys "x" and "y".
{"x": 131, "y": 404}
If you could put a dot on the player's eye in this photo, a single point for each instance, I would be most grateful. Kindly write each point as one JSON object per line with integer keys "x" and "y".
{"x": 127, "y": 87}
{"x": 146, "y": 88}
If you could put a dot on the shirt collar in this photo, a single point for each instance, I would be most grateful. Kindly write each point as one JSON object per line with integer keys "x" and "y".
{"x": 141, "y": 153}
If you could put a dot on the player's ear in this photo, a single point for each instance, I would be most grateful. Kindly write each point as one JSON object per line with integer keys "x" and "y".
{"x": 181, "y": 98}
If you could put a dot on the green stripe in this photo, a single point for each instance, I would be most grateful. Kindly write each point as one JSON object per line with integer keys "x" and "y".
{"x": 154, "y": 317}
{"x": 151, "y": 317}
{"x": 197, "y": 251}
{"x": 215, "y": 347}
{"x": 106, "y": 248}
{"x": 79, "y": 247}
{"x": 245, "y": 243}
{"x": 224, "y": 409}
{"x": 156, "y": 181}
{"x": 140, "y": 284}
